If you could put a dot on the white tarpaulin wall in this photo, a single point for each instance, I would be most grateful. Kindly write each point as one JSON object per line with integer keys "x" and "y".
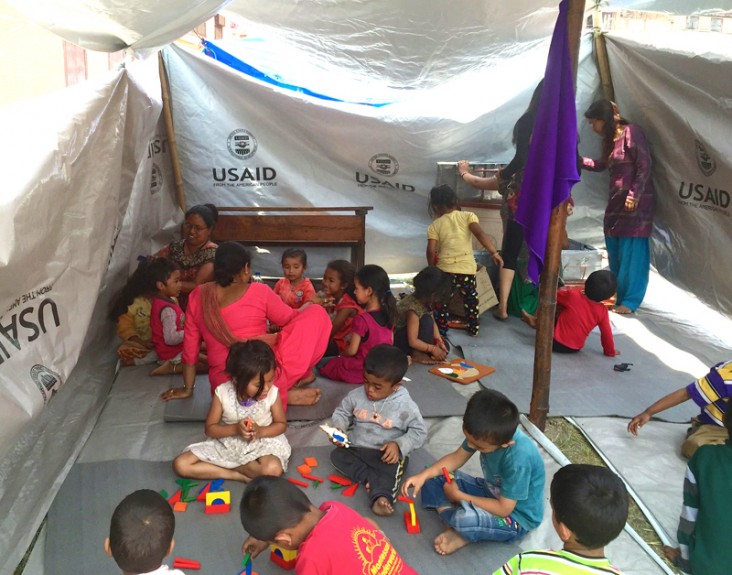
{"x": 78, "y": 206}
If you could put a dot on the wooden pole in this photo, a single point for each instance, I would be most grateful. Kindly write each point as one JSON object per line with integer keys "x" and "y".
{"x": 552, "y": 261}
{"x": 173, "y": 144}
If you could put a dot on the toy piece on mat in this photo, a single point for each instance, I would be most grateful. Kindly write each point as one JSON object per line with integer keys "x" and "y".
{"x": 622, "y": 366}
{"x": 340, "y": 480}
{"x": 185, "y": 485}
{"x": 350, "y": 491}
{"x": 217, "y": 485}
{"x": 311, "y": 461}
{"x": 304, "y": 469}
{"x": 462, "y": 371}
{"x": 248, "y": 566}
{"x": 297, "y": 482}
{"x": 336, "y": 434}
{"x": 202, "y": 492}
{"x": 218, "y": 502}
{"x": 181, "y": 563}
{"x": 313, "y": 477}
{"x": 180, "y": 506}
{"x": 285, "y": 558}
{"x": 164, "y": 494}
{"x": 175, "y": 497}
{"x": 411, "y": 522}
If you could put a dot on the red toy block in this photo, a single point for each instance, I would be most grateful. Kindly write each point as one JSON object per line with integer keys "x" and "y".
{"x": 312, "y": 477}
{"x": 297, "y": 482}
{"x": 175, "y": 498}
{"x": 408, "y": 523}
{"x": 180, "y": 506}
{"x": 350, "y": 491}
{"x": 181, "y": 563}
{"x": 340, "y": 480}
{"x": 220, "y": 508}
{"x": 202, "y": 493}
{"x": 311, "y": 461}
{"x": 405, "y": 499}
{"x": 304, "y": 469}
{"x": 446, "y": 474}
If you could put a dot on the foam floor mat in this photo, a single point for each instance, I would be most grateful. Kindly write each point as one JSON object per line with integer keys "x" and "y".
{"x": 435, "y": 397}
{"x": 584, "y": 383}
{"x": 78, "y": 521}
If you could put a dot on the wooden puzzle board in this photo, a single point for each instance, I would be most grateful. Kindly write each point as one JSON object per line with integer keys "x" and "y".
{"x": 462, "y": 371}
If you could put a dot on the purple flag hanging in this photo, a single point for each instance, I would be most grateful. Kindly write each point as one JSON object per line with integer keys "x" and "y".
{"x": 551, "y": 166}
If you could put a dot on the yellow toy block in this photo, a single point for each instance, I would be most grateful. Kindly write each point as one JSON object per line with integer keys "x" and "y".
{"x": 218, "y": 498}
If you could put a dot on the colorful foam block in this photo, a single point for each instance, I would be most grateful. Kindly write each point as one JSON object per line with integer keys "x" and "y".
{"x": 285, "y": 558}
{"x": 311, "y": 461}
{"x": 202, "y": 492}
{"x": 312, "y": 477}
{"x": 412, "y": 528}
{"x": 218, "y": 498}
{"x": 215, "y": 509}
{"x": 181, "y": 563}
{"x": 175, "y": 497}
{"x": 297, "y": 482}
{"x": 350, "y": 491}
{"x": 304, "y": 469}
{"x": 180, "y": 506}
{"x": 340, "y": 480}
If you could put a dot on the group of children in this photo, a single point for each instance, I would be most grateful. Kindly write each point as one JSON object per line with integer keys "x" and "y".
{"x": 371, "y": 338}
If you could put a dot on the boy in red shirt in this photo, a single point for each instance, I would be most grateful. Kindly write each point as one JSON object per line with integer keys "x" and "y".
{"x": 330, "y": 539}
{"x": 578, "y": 312}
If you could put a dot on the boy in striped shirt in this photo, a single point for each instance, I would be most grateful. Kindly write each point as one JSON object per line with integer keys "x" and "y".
{"x": 589, "y": 510}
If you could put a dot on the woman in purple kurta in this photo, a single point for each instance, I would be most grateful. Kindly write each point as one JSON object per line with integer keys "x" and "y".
{"x": 631, "y": 204}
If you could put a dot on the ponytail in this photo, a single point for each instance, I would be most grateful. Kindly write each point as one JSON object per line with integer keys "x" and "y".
{"x": 376, "y": 278}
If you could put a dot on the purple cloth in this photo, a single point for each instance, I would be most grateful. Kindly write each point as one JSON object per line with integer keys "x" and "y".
{"x": 551, "y": 168}
{"x": 630, "y": 176}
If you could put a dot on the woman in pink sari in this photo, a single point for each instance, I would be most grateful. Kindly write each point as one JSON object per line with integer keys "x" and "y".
{"x": 231, "y": 309}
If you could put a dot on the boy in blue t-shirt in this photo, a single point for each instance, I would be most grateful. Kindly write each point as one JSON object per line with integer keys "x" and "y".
{"x": 503, "y": 505}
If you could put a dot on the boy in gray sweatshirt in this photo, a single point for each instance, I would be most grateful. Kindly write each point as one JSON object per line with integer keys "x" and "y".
{"x": 383, "y": 425}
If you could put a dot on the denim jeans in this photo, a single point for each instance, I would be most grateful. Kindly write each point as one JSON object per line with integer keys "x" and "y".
{"x": 471, "y": 522}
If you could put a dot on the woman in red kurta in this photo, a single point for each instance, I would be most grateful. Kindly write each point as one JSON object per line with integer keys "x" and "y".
{"x": 232, "y": 309}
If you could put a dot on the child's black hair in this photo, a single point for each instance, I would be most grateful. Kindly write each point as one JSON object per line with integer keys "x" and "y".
{"x": 376, "y": 278}
{"x": 295, "y": 253}
{"x": 491, "y": 416}
{"x": 160, "y": 269}
{"x": 727, "y": 418}
{"x": 346, "y": 271}
{"x": 591, "y": 501}
{"x": 230, "y": 259}
{"x": 138, "y": 284}
{"x": 271, "y": 504}
{"x": 601, "y": 285}
{"x": 141, "y": 531}
{"x": 442, "y": 196}
{"x": 247, "y": 360}
{"x": 386, "y": 362}
{"x": 432, "y": 285}
{"x": 208, "y": 213}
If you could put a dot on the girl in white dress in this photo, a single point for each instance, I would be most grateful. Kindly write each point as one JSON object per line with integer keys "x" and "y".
{"x": 245, "y": 424}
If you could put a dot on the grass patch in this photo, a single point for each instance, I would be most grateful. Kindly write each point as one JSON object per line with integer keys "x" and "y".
{"x": 577, "y": 449}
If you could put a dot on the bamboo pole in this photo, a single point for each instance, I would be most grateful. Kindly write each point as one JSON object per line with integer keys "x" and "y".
{"x": 173, "y": 145}
{"x": 539, "y": 408}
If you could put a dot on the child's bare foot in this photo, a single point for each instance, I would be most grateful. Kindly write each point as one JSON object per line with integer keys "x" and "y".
{"x": 671, "y": 553}
{"x": 300, "y": 396}
{"x": 500, "y": 315}
{"x": 622, "y": 309}
{"x": 448, "y": 542}
{"x": 307, "y": 380}
{"x": 526, "y": 317}
{"x": 166, "y": 368}
{"x": 382, "y": 506}
{"x": 422, "y": 357}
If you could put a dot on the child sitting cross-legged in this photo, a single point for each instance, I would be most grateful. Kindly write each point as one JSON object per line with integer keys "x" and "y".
{"x": 141, "y": 534}
{"x": 503, "y": 505}
{"x": 246, "y": 422}
{"x": 383, "y": 426}
{"x": 332, "y": 539}
{"x": 589, "y": 510}
{"x": 579, "y": 312}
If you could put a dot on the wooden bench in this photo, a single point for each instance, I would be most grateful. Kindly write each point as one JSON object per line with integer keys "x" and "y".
{"x": 290, "y": 227}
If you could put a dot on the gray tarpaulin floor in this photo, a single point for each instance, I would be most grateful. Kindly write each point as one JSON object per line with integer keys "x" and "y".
{"x": 675, "y": 338}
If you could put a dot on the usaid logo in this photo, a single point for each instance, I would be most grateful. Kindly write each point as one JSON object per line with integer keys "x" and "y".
{"x": 241, "y": 144}
{"x": 706, "y": 163}
{"x": 384, "y": 165}
{"x": 47, "y": 381}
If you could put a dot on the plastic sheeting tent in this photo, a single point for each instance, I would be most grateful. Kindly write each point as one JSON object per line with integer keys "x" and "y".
{"x": 90, "y": 186}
